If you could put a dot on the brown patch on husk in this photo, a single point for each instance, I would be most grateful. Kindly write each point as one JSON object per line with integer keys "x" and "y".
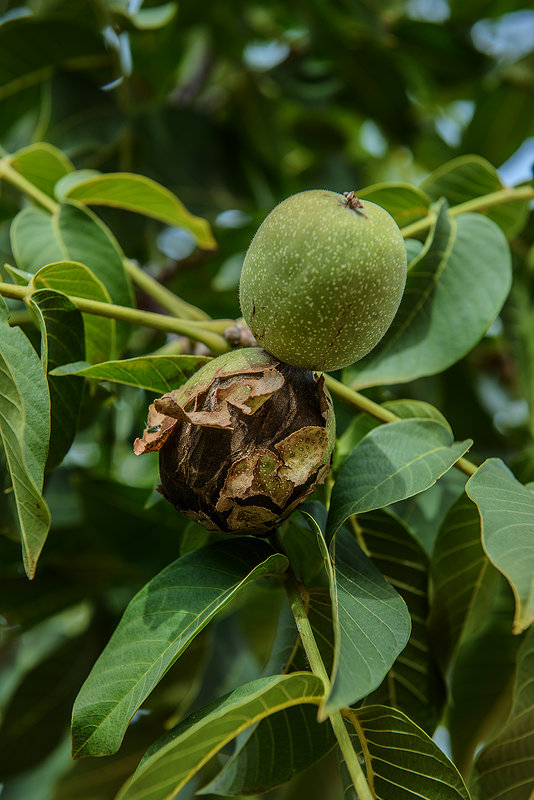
{"x": 239, "y": 452}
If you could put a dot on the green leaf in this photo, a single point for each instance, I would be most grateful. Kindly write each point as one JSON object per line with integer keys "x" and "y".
{"x": 503, "y": 118}
{"x": 42, "y": 164}
{"x": 506, "y": 510}
{"x": 73, "y": 233}
{"x": 413, "y": 250}
{"x": 371, "y": 621}
{"x": 77, "y": 280}
{"x": 19, "y": 276}
{"x": 146, "y": 19}
{"x": 62, "y": 340}
{"x": 33, "y": 240}
{"x": 308, "y": 556}
{"x": 405, "y": 203}
{"x": 157, "y": 626}
{"x": 361, "y": 424}
{"x": 32, "y": 46}
{"x": 414, "y": 683}
{"x": 519, "y": 326}
{"x": 154, "y": 373}
{"x": 469, "y": 177}
{"x": 402, "y": 762}
{"x": 454, "y": 291}
{"x": 143, "y": 195}
{"x": 464, "y": 579}
{"x": 37, "y": 716}
{"x": 392, "y": 462}
{"x": 25, "y": 431}
{"x": 180, "y": 753}
{"x": 504, "y": 769}
{"x": 481, "y": 679}
{"x": 424, "y": 513}
{"x": 294, "y": 741}
{"x": 310, "y": 561}
{"x": 374, "y": 624}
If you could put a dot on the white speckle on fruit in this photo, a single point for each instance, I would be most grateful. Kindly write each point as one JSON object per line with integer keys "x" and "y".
{"x": 326, "y": 287}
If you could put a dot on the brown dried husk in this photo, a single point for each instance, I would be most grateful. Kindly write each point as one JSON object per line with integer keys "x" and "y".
{"x": 243, "y": 442}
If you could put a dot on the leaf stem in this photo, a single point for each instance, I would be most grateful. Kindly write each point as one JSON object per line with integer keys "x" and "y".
{"x": 208, "y": 331}
{"x": 380, "y": 413}
{"x": 153, "y": 288}
{"x": 485, "y": 201}
{"x": 298, "y": 607}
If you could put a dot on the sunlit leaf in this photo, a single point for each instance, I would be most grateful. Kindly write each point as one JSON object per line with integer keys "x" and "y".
{"x": 402, "y": 762}
{"x": 294, "y": 741}
{"x": 157, "y": 626}
{"x": 506, "y": 510}
{"x": 143, "y": 195}
{"x": 454, "y": 291}
{"x": 154, "y": 373}
{"x": 19, "y": 276}
{"x": 73, "y": 233}
{"x": 469, "y": 177}
{"x": 180, "y": 753}
{"x": 72, "y": 278}
{"x": 392, "y": 462}
{"x": 405, "y": 203}
{"x": 42, "y": 164}
{"x": 146, "y": 19}
{"x": 361, "y": 424}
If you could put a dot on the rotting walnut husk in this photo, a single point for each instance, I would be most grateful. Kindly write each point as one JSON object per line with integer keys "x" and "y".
{"x": 243, "y": 442}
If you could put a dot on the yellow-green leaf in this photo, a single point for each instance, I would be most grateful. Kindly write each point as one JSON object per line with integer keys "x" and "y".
{"x": 143, "y": 195}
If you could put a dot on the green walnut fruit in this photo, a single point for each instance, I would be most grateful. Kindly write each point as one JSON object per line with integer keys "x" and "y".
{"x": 322, "y": 279}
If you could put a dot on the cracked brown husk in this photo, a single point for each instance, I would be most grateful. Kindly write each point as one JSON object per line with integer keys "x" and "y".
{"x": 243, "y": 442}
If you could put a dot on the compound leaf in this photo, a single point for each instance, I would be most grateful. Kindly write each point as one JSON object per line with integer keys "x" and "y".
{"x": 154, "y": 373}
{"x": 392, "y": 462}
{"x": 25, "y": 432}
{"x": 506, "y": 510}
{"x": 454, "y": 291}
{"x": 180, "y": 753}
{"x": 62, "y": 339}
{"x": 157, "y": 626}
{"x": 402, "y": 761}
{"x": 141, "y": 194}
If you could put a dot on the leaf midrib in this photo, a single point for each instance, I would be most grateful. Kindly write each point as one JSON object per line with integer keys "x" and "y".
{"x": 118, "y": 705}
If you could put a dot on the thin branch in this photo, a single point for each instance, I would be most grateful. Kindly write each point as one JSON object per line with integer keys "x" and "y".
{"x": 158, "y": 292}
{"x": 482, "y": 203}
{"x": 377, "y": 411}
{"x": 363, "y": 741}
{"x": 298, "y": 607}
{"x": 167, "y": 299}
{"x": 207, "y": 332}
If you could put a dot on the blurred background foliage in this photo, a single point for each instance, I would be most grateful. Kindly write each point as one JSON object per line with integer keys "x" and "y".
{"x": 233, "y": 106}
